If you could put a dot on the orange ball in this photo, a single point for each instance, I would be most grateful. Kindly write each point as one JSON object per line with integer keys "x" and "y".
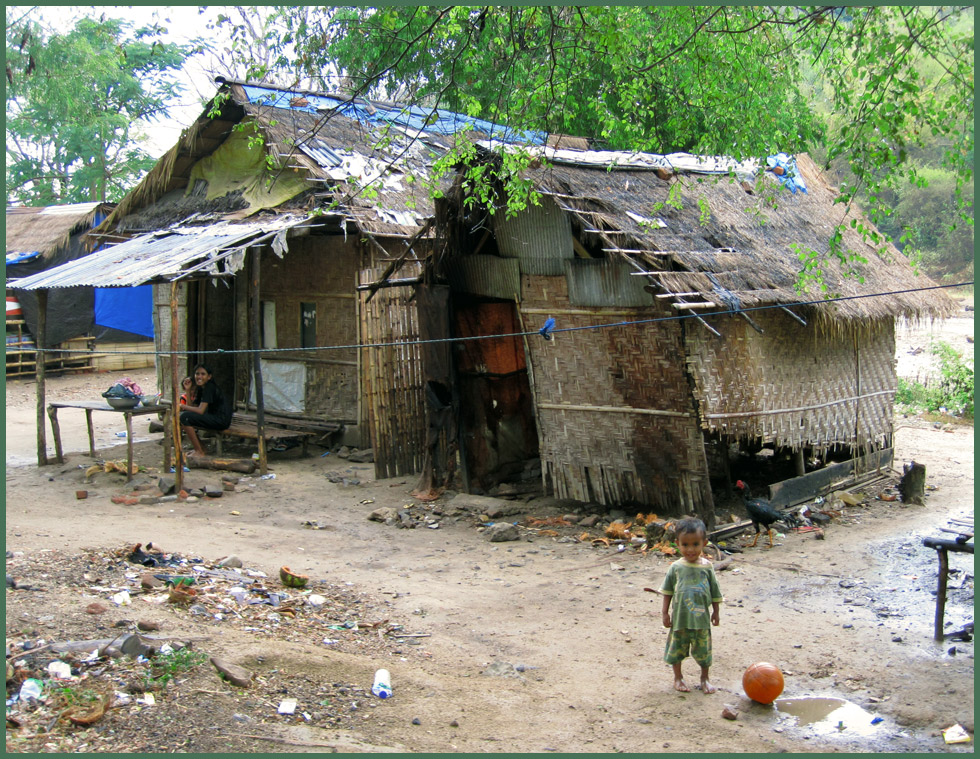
{"x": 763, "y": 682}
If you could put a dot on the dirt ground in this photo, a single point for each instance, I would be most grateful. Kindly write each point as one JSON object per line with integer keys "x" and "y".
{"x": 546, "y": 643}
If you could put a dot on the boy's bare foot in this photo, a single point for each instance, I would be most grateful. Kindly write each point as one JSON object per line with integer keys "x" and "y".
{"x": 681, "y": 686}
{"x": 707, "y": 687}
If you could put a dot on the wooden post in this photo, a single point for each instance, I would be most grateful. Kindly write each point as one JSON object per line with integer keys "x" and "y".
{"x": 256, "y": 308}
{"x": 800, "y": 462}
{"x": 941, "y": 595}
{"x": 175, "y": 394}
{"x": 41, "y": 340}
{"x": 912, "y": 486}
{"x": 56, "y": 431}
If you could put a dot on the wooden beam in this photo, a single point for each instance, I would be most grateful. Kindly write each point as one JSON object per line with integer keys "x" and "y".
{"x": 397, "y": 263}
{"x": 702, "y": 304}
{"x": 175, "y": 393}
{"x": 255, "y": 306}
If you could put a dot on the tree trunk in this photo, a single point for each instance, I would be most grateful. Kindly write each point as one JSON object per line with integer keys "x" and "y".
{"x": 246, "y": 466}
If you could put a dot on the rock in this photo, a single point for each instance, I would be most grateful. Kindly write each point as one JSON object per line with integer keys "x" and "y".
{"x": 212, "y": 492}
{"x": 383, "y": 514}
{"x": 81, "y": 495}
{"x": 729, "y": 712}
{"x": 166, "y": 485}
{"x": 343, "y": 453}
{"x": 147, "y": 499}
{"x": 155, "y": 426}
{"x": 588, "y": 521}
{"x": 501, "y": 669}
{"x": 147, "y": 625}
{"x": 230, "y": 561}
{"x": 227, "y": 485}
{"x": 502, "y": 532}
{"x": 363, "y": 456}
{"x": 96, "y": 608}
{"x": 148, "y": 581}
{"x": 232, "y": 672}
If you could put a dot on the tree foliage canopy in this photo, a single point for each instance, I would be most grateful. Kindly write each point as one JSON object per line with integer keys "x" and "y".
{"x": 76, "y": 102}
{"x": 733, "y": 80}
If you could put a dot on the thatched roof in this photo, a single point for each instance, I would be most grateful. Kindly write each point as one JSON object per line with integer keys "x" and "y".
{"x": 748, "y": 236}
{"x": 329, "y": 142}
{"x": 45, "y": 230}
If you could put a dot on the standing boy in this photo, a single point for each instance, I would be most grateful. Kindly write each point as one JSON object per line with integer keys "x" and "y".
{"x": 692, "y": 587}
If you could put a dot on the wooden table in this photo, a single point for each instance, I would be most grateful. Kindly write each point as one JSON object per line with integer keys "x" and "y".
{"x": 89, "y": 407}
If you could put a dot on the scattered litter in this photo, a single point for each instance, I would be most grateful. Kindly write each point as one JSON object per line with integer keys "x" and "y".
{"x": 59, "y": 670}
{"x": 956, "y": 734}
{"x": 122, "y": 598}
{"x": 269, "y": 476}
{"x": 287, "y": 706}
{"x": 147, "y": 699}
{"x": 382, "y": 684}
{"x": 30, "y": 688}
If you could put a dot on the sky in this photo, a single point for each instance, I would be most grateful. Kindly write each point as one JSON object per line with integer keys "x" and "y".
{"x": 182, "y": 22}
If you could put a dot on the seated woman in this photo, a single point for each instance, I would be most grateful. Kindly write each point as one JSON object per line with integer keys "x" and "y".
{"x": 206, "y": 409}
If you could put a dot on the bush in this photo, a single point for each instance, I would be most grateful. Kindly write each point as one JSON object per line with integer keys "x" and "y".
{"x": 952, "y": 394}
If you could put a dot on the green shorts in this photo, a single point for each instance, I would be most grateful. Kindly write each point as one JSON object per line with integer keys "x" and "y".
{"x": 693, "y": 643}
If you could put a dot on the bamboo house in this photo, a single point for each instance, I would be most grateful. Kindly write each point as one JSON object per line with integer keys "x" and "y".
{"x": 680, "y": 342}
{"x": 264, "y": 231}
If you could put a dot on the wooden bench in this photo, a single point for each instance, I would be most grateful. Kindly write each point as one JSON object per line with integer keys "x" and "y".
{"x": 245, "y": 425}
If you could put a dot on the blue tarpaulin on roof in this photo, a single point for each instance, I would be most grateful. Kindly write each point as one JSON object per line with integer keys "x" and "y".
{"x": 438, "y": 121}
{"x": 129, "y": 309}
{"x": 16, "y": 258}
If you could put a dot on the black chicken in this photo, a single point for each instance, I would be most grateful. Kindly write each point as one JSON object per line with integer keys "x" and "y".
{"x": 761, "y": 512}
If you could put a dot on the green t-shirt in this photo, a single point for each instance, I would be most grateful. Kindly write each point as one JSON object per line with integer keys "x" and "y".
{"x": 694, "y": 588}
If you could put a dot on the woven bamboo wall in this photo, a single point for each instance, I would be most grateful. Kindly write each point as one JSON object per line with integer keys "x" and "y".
{"x": 796, "y": 386}
{"x": 392, "y": 376}
{"x": 628, "y": 433}
{"x": 320, "y": 270}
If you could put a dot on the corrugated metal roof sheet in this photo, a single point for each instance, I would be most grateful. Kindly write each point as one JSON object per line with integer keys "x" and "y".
{"x": 541, "y": 231}
{"x": 490, "y": 276}
{"x": 166, "y": 255}
{"x": 684, "y": 163}
{"x": 602, "y": 283}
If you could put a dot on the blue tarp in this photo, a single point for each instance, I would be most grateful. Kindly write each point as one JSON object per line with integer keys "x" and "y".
{"x": 129, "y": 309}
{"x": 440, "y": 122}
{"x": 791, "y": 176}
{"x": 16, "y": 258}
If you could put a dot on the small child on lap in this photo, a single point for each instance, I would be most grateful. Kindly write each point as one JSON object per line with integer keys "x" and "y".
{"x": 692, "y": 587}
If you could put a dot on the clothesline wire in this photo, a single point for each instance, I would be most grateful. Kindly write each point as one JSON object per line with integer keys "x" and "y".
{"x": 554, "y": 331}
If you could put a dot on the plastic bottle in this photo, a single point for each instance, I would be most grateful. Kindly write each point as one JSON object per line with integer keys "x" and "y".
{"x": 382, "y": 684}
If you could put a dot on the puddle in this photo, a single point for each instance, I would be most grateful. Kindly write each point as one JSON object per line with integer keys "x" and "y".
{"x": 829, "y": 716}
